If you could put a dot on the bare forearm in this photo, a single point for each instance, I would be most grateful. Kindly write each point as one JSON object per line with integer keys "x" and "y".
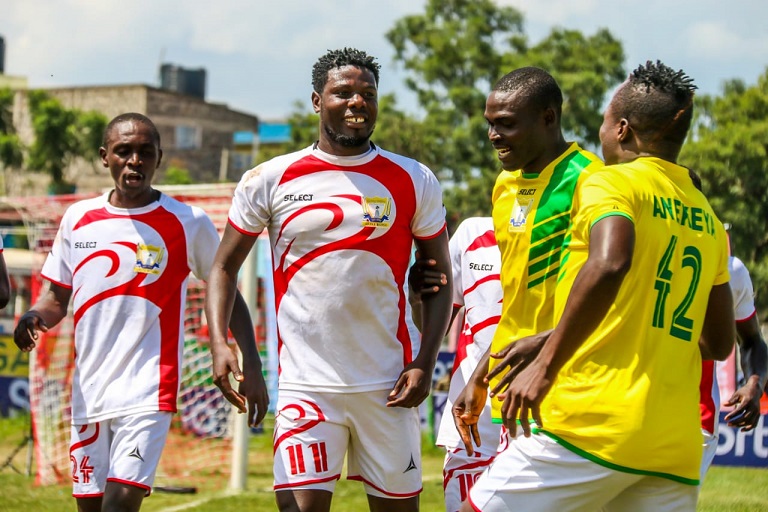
{"x": 435, "y": 319}
{"x": 52, "y": 306}
{"x": 219, "y": 303}
{"x": 754, "y": 359}
{"x": 241, "y": 326}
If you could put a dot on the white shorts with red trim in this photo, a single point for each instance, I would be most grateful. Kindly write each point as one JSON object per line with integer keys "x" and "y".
{"x": 708, "y": 455}
{"x": 135, "y": 443}
{"x": 313, "y": 432}
{"x": 460, "y": 471}
{"x": 536, "y": 473}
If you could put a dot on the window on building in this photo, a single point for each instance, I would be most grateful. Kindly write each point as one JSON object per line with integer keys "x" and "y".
{"x": 188, "y": 137}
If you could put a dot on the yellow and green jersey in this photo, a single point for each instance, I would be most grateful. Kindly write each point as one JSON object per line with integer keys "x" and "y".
{"x": 629, "y": 396}
{"x": 531, "y": 216}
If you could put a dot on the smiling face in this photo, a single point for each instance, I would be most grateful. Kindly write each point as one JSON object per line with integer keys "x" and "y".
{"x": 518, "y": 130}
{"x": 132, "y": 155}
{"x": 348, "y": 106}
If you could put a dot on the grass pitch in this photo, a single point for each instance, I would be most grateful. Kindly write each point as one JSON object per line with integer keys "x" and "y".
{"x": 725, "y": 489}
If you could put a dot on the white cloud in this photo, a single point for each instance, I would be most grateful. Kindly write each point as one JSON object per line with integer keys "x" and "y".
{"x": 259, "y": 54}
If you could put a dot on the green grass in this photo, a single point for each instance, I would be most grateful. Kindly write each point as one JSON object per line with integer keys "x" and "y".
{"x": 725, "y": 490}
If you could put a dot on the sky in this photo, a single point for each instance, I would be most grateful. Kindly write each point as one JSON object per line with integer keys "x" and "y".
{"x": 259, "y": 54}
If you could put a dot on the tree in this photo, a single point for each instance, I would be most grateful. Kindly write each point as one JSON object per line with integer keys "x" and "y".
{"x": 728, "y": 148}
{"x": 10, "y": 146}
{"x": 61, "y": 135}
{"x": 456, "y": 51}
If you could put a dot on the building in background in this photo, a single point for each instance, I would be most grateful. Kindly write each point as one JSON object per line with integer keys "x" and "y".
{"x": 196, "y": 135}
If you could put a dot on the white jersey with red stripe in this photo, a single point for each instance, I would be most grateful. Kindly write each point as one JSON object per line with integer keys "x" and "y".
{"x": 475, "y": 261}
{"x": 128, "y": 271}
{"x": 743, "y": 309}
{"x": 341, "y": 231}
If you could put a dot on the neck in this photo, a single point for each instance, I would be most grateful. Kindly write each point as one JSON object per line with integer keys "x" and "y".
{"x": 119, "y": 199}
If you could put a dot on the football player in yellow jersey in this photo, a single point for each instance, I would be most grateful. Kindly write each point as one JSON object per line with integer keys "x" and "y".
{"x": 613, "y": 392}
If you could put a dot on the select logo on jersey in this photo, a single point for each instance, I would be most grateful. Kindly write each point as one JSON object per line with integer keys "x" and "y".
{"x": 298, "y": 197}
{"x": 148, "y": 259}
{"x": 85, "y": 245}
{"x": 520, "y": 213}
{"x": 376, "y": 211}
{"x": 481, "y": 266}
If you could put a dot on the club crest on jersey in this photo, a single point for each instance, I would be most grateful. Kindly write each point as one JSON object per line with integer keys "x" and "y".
{"x": 520, "y": 214}
{"x": 148, "y": 258}
{"x": 376, "y": 211}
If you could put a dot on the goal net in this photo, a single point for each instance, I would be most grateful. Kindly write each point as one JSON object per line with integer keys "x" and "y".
{"x": 200, "y": 441}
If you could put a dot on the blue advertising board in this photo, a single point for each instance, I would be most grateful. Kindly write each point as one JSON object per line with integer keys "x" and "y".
{"x": 736, "y": 448}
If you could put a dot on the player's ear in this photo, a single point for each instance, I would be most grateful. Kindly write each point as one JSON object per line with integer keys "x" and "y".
{"x": 623, "y": 130}
{"x": 103, "y": 155}
{"x": 316, "y": 101}
{"x": 159, "y": 157}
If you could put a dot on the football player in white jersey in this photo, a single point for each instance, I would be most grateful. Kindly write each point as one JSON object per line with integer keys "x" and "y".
{"x": 124, "y": 258}
{"x": 475, "y": 263}
{"x": 342, "y": 215}
{"x": 754, "y": 362}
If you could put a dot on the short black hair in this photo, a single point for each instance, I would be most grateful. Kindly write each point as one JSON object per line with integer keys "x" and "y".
{"x": 131, "y": 116}
{"x": 536, "y": 85}
{"x": 339, "y": 58}
{"x": 658, "y": 103}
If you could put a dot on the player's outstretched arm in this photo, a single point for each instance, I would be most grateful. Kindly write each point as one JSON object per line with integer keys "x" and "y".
{"x": 414, "y": 383}
{"x": 611, "y": 244}
{"x": 754, "y": 362}
{"x": 220, "y": 297}
{"x": 48, "y": 311}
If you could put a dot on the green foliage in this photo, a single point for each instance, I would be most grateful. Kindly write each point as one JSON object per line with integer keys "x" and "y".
{"x": 728, "y": 147}
{"x": 61, "y": 135}
{"x": 456, "y": 51}
{"x": 10, "y": 146}
{"x": 177, "y": 176}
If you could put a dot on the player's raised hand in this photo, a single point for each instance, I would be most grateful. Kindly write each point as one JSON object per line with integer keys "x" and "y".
{"x": 27, "y": 330}
{"x": 224, "y": 364}
{"x": 466, "y": 413}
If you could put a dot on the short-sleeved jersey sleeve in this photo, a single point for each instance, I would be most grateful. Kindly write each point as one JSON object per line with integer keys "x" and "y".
{"x": 57, "y": 267}
{"x": 602, "y": 194}
{"x": 250, "y": 210}
{"x": 741, "y": 288}
{"x": 204, "y": 243}
{"x": 429, "y": 219}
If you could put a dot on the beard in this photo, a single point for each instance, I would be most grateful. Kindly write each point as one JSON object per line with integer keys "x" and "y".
{"x": 348, "y": 141}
